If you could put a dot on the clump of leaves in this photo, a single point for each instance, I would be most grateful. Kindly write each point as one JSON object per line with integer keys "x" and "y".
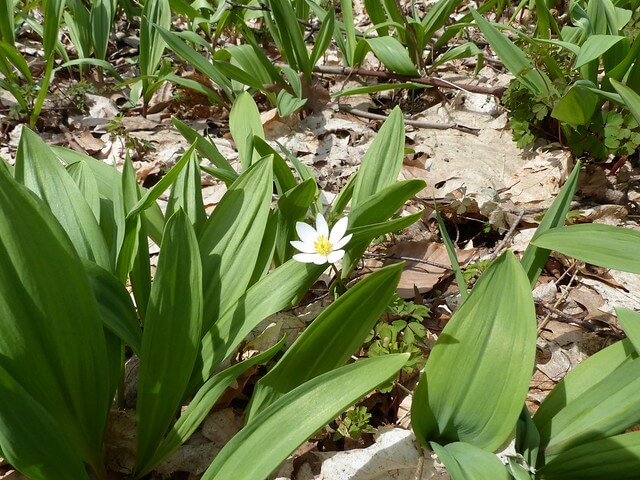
{"x": 77, "y": 93}
{"x": 400, "y": 335}
{"x": 609, "y": 133}
{"x": 475, "y": 269}
{"x": 353, "y": 423}
{"x": 528, "y": 114}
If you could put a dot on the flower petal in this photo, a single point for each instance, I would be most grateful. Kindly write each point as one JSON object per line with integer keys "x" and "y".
{"x": 310, "y": 258}
{"x": 321, "y": 226}
{"x": 343, "y": 241}
{"x": 306, "y": 232}
{"x": 303, "y": 247}
{"x": 334, "y": 256}
{"x": 338, "y": 230}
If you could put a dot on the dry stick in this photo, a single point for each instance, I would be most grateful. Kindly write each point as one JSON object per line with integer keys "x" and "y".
{"x": 507, "y": 238}
{"x": 432, "y": 81}
{"x": 408, "y": 259}
{"x": 414, "y": 123}
{"x": 567, "y": 318}
{"x": 562, "y": 298}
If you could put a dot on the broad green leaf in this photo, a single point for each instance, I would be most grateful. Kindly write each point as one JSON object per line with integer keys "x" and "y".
{"x": 7, "y": 26}
{"x": 453, "y": 258}
{"x": 336, "y": 334}
{"x": 53, "y": 10}
{"x": 186, "y": 192}
{"x": 288, "y": 104}
{"x": 40, "y": 171}
{"x": 527, "y": 441}
{"x": 465, "y": 461}
{"x": 206, "y": 148}
{"x": 102, "y": 15}
{"x": 200, "y": 63}
{"x": 14, "y": 57}
{"x": 292, "y": 207}
{"x": 596, "y": 399}
{"x": 172, "y": 331}
{"x": 375, "y": 210}
{"x": 244, "y": 123}
{"x": 155, "y": 15}
{"x": 212, "y": 95}
{"x": 299, "y": 413}
{"x": 249, "y": 60}
{"x": 381, "y": 164}
{"x": 437, "y": 17}
{"x": 630, "y": 322}
{"x": 201, "y": 405}
{"x": 465, "y": 50}
{"x": 52, "y": 339}
{"x": 324, "y": 36}
{"x": 594, "y": 47}
{"x": 288, "y": 29}
{"x": 612, "y": 457}
{"x": 114, "y": 304}
{"x": 577, "y": 105}
{"x": 107, "y": 177}
{"x": 348, "y": 25}
{"x": 513, "y": 58}
{"x": 230, "y": 239}
{"x": 534, "y": 257}
{"x": 283, "y": 177}
{"x": 393, "y": 55}
{"x": 269, "y": 295}
{"x": 86, "y": 181}
{"x": 32, "y": 439}
{"x": 603, "y": 17}
{"x": 629, "y": 96}
{"x": 368, "y": 232}
{"x": 490, "y": 344}
{"x": 603, "y": 245}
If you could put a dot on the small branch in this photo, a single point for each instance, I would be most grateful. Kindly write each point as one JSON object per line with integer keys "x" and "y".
{"x": 432, "y": 81}
{"x": 409, "y": 259}
{"x": 507, "y": 238}
{"x": 414, "y": 123}
{"x": 261, "y": 8}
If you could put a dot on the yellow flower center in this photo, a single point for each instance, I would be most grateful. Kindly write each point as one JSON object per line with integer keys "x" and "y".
{"x": 322, "y": 245}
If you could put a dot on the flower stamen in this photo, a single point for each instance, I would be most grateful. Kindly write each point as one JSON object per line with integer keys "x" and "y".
{"x": 322, "y": 245}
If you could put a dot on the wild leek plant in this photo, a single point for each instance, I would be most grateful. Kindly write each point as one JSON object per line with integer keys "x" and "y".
{"x": 72, "y": 238}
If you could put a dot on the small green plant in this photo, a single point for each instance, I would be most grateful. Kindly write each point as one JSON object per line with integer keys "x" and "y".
{"x": 77, "y": 93}
{"x": 353, "y": 423}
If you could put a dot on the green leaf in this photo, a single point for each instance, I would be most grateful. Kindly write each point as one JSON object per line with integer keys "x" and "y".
{"x": 603, "y": 245}
{"x": 107, "y": 177}
{"x": 102, "y": 15}
{"x": 336, "y": 334}
{"x": 513, "y": 58}
{"x": 535, "y": 257}
{"x": 490, "y": 343}
{"x": 52, "y": 340}
{"x": 594, "y": 47}
{"x": 244, "y": 123}
{"x": 381, "y": 164}
{"x": 366, "y": 233}
{"x": 32, "y": 439}
{"x": 269, "y": 295}
{"x": 380, "y": 87}
{"x": 114, "y": 304}
{"x": 207, "y": 149}
{"x": 577, "y": 105}
{"x": 231, "y": 237}
{"x": 86, "y": 181}
{"x": 299, "y": 413}
{"x": 324, "y": 36}
{"x": 155, "y": 16}
{"x": 186, "y": 192}
{"x": 465, "y": 461}
{"x": 453, "y": 258}
{"x": 630, "y": 97}
{"x": 393, "y": 55}
{"x": 630, "y": 322}
{"x": 438, "y": 16}
{"x": 596, "y": 399}
{"x": 172, "y": 331}
{"x": 612, "y": 457}
{"x": 201, "y": 405}
{"x": 40, "y": 171}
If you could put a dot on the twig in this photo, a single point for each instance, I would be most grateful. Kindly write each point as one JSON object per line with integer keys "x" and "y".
{"x": 507, "y": 238}
{"x": 562, "y": 298}
{"x": 432, "y": 81}
{"x": 409, "y": 259}
{"x": 414, "y": 123}
{"x": 563, "y": 316}
{"x": 261, "y": 8}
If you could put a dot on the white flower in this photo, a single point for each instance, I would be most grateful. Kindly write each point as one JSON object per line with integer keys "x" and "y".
{"x": 318, "y": 245}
